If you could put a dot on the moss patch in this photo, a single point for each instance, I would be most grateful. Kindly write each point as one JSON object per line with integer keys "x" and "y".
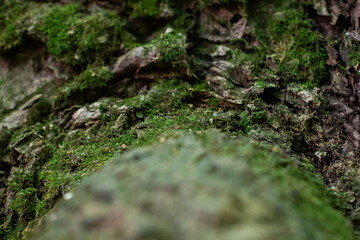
{"x": 146, "y": 8}
{"x": 299, "y": 51}
{"x": 71, "y": 157}
{"x": 11, "y": 14}
{"x": 94, "y": 77}
{"x": 70, "y": 33}
{"x": 172, "y": 48}
{"x": 78, "y": 38}
{"x": 289, "y": 50}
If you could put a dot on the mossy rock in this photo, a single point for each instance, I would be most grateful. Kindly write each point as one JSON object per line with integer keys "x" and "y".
{"x": 198, "y": 187}
{"x": 78, "y": 38}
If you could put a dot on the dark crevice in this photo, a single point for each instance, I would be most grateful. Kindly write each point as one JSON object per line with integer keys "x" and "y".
{"x": 235, "y": 18}
{"x": 269, "y": 97}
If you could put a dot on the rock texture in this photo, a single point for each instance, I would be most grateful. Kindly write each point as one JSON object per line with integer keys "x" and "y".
{"x": 197, "y": 187}
{"x": 84, "y": 81}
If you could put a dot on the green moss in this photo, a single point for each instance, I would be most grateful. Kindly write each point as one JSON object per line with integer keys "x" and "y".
{"x": 11, "y": 14}
{"x": 172, "y": 48}
{"x": 254, "y": 59}
{"x": 85, "y": 152}
{"x": 171, "y": 45}
{"x": 57, "y": 25}
{"x": 21, "y": 179}
{"x": 145, "y": 8}
{"x": 38, "y": 111}
{"x": 245, "y": 121}
{"x": 354, "y": 56}
{"x": 79, "y": 39}
{"x": 69, "y": 89}
{"x": 299, "y": 51}
{"x": 183, "y": 21}
{"x": 24, "y": 203}
{"x": 163, "y": 109}
{"x": 10, "y": 36}
{"x": 70, "y": 34}
{"x": 94, "y": 77}
{"x": 287, "y": 39}
{"x": 353, "y": 48}
{"x": 214, "y": 102}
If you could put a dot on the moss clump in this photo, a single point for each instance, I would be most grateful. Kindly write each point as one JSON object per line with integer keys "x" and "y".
{"x": 94, "y": 77}
{"x": 25, "y": 205}
{"x": 11, "y": 13}
{"x": 299, "y": 51}
{"x": 78, "y": 38}
{"x": 353, "y": 47}
{"x": 245, "y": 122}
{"x": 69, "y": 33}
{"x": 172, "y": 48}
{"x": 258, "y": 114}
{"x": 289, "y": 42}
{"x": 145, "y": 8}
{"x": 57, "y": 25}
{"x": 354, "y": 56}
{"x": 254, "y": 60}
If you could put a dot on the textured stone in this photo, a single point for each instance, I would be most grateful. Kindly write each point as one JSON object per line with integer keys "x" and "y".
{"x": 197, "y": 187}
{"x": 29, "y": 73}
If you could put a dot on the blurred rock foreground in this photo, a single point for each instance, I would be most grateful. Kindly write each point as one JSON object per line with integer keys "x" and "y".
{"x": 196, "y": 119}
{"x": 198, "y": 187}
